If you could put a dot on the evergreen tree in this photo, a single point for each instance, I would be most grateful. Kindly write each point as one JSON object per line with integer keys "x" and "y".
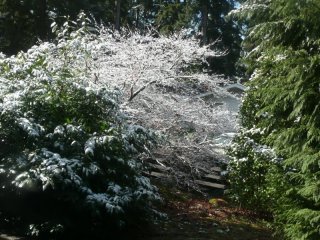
{"x": 174, "y": 16}
{"x": 282, "y": 57}
{"x": 22, "y": 23}
{"x": 16, "y": 25}
{"x": 209, "y": 19}
{"x": 215, "y": 26}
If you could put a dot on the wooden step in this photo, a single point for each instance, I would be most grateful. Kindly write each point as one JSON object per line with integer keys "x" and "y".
{"x": 210, "y": 184}
{"x": 158, "y": 167}
{"x": 156, "y": 174}
{"x": 213, "y": 177}
{"x": 216, "y": 169}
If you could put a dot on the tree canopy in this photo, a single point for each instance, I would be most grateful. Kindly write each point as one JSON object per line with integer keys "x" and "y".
{"x": 282, "y": 58}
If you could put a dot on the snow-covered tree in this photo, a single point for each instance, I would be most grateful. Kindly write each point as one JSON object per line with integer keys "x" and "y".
{"x": 164, "y": 90}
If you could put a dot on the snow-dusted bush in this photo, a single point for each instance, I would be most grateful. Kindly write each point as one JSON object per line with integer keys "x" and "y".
{"x": 251, "y": 167}
{"x": 67, "y": 155}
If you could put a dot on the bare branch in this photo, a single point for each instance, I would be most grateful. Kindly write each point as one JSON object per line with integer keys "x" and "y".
{"x": 133, "y": 95}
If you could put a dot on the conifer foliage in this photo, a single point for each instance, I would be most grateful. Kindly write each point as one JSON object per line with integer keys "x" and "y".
{"x": 282, "y": 48}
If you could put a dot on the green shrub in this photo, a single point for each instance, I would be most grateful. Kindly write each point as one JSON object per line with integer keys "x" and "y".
{"x": 67, "y": 156}
{"x": 250, "y": 165}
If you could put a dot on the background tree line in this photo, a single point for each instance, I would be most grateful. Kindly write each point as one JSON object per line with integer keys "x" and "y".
{"x": 23, "y": 23}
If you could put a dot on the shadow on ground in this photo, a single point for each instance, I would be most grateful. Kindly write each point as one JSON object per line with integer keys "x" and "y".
{"x": 192, "y": 216}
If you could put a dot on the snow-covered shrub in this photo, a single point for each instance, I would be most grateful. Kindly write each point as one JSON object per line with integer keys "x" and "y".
{"x": 67, "y": 155}
{"x": 249, "y": 168}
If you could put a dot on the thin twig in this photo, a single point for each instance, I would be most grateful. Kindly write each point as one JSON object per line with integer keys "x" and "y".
{"x": 133, "y": 95}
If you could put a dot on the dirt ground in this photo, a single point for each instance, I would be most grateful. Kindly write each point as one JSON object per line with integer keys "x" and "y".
{"x": 192, "y": 216}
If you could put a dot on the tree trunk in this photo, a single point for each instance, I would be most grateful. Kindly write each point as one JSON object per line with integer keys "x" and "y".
{"x": 118, "y": 8}
{"x": 204, "y": 22}
{"x": 42, "y": 20}
{"x": 137, "y": 17}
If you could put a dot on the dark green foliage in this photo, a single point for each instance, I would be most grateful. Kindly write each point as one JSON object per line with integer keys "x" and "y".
{"x": 249, "y": 167}
{"x": 22, "y": 23}
{"x": 283, "y": 59}
{"x": 223, "y": 30}
{"x": 209, "y": 19}
{"x": 174, "y": 17}
{"x": 66, "y": 164}
{"x": 16, "y": 26}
